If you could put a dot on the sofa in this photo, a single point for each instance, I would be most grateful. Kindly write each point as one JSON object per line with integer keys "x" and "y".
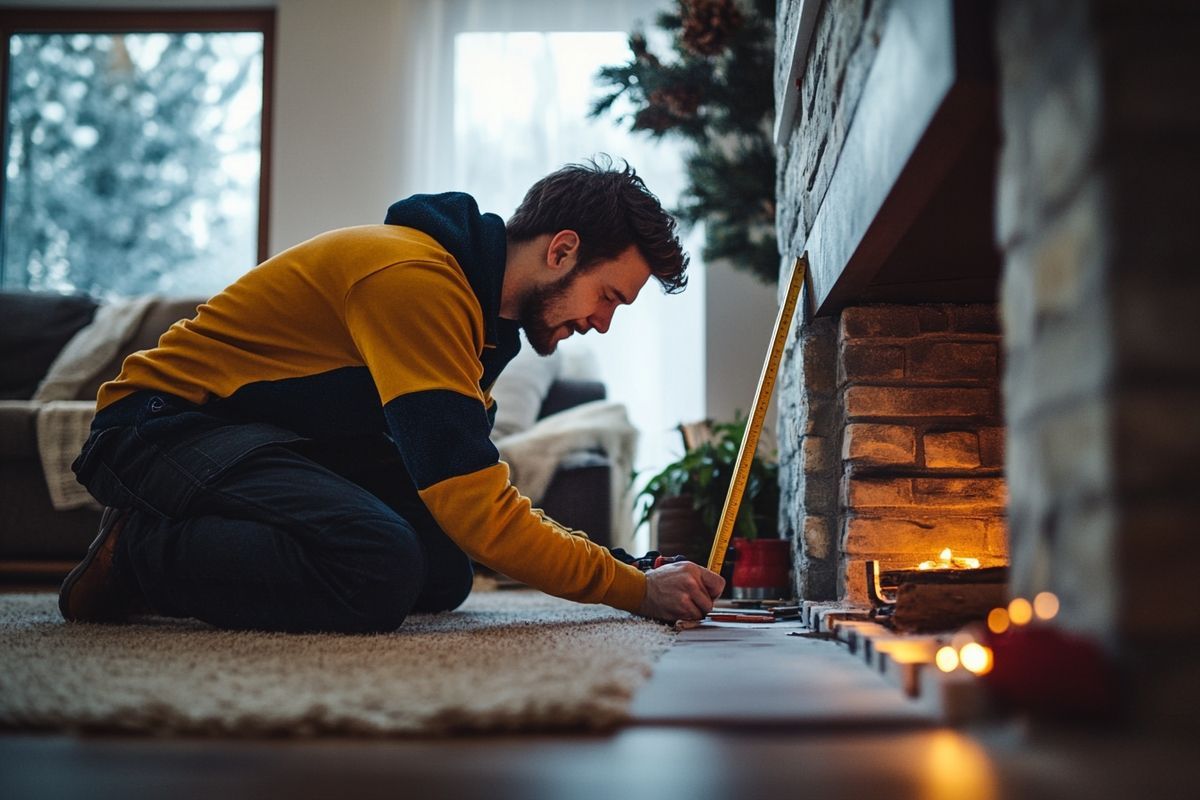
{"x": 40, "y": 542}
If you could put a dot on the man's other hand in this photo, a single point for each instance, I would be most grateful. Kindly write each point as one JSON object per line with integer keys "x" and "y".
{"x": 682, "y": 590}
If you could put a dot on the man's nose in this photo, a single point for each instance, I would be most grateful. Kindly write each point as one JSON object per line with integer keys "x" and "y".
{"x": 600, "y": 322}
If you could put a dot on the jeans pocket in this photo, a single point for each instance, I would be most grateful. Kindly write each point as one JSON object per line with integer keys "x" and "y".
{"x": 84, "y": 465}
{"x": 187, "y": 465}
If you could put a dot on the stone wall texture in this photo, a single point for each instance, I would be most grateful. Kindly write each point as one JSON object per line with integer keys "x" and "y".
{"x": 1097, "y": 219}
{"x": 844, "y": 42}
{"x": 921, "y": 438}
{"x": 809, "y": 417}
{"x": 843, "y": 46}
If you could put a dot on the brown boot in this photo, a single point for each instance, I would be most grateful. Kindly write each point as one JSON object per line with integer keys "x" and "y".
{"x": 89, "y": 593}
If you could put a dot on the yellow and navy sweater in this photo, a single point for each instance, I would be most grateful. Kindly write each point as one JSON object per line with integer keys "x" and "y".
{"x": 394, "y": 328}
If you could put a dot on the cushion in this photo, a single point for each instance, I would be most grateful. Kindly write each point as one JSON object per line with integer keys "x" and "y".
{"x": 520, "y": 390}
{"x": 162, "y": 315}
{"x": 36, "y": 327}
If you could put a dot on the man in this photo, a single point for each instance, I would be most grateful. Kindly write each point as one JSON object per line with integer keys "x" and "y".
{"x": 310, "y": 452}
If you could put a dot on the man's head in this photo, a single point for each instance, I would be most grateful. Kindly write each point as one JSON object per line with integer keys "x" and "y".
{"x": 605, "y": 234}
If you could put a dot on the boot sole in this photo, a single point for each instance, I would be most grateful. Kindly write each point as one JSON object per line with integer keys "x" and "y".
{"x": 108, "y": 523}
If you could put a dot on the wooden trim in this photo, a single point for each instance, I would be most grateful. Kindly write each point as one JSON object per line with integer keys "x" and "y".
{"x": 926, "y": 98}
{"x": 5, "y": 56}
{"x": 266, "y": 118}
{"x": 790, "y": 102}
{"x": 90, "y": 20}
{"x": 48, "y": 569}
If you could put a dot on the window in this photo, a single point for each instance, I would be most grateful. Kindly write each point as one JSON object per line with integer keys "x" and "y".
{"x": 134, "y": 150}
{"x": 521, "y": 102}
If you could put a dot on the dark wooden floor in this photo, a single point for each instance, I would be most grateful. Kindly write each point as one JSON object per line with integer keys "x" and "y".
{"x": 651, "y": 762}
{"x": 728, "y": 714}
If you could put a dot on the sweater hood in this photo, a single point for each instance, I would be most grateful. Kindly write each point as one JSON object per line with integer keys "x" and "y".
{"x": 476, "y": 241}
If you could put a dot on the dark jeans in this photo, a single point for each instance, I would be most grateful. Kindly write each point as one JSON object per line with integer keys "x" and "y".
{"x": 250, "y": 526}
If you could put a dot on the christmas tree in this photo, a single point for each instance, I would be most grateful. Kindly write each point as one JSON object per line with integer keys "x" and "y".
{"x": 715, "y": 92}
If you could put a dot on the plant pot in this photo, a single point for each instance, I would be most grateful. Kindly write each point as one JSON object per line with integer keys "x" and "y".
{"x": 676, "y": 529}
{"x": 762, "y": 570}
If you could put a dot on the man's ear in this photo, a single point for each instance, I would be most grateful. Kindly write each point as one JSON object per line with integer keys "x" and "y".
{"x": 563, "y": 251}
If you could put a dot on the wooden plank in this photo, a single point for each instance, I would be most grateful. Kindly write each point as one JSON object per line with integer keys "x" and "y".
{"x": 933, "y": 607}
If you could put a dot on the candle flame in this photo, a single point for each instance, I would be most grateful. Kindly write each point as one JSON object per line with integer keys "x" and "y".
{"x": 976, "y": 658}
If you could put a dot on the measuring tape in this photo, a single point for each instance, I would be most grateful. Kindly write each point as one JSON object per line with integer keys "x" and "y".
{"x": 762, "y": 397}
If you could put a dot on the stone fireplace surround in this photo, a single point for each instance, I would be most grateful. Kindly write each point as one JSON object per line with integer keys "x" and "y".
{"x": 890, "y": 435}
{"x": 896, "y": 413}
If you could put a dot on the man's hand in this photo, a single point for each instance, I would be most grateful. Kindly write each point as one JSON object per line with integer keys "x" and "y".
{"x": 682, "y": 590}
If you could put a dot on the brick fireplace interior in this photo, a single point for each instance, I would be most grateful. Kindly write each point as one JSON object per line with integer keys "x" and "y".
{"x": 997, "y": 349}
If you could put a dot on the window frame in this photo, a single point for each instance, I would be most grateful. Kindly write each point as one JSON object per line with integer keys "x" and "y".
{"x": 48, "y": 21}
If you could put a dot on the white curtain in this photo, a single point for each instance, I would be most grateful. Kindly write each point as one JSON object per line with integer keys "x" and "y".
{"x": 502, "y": 89}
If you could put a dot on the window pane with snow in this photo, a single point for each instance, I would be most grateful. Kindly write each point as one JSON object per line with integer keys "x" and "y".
{"x": 131, "y": 161}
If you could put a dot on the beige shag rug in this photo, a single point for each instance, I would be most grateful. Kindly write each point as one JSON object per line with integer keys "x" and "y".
{"x": 506, "y": 660}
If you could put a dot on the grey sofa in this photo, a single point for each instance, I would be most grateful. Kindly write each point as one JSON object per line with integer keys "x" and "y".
{"x": 38, "y": 542}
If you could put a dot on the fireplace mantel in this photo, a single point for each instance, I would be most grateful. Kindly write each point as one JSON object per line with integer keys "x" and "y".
{"x": 928, "y": 95}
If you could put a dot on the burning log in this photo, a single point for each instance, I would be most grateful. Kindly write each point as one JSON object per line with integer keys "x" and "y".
{"x": 922, "y": 600}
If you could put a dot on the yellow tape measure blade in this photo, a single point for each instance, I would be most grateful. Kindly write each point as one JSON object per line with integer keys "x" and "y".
{"x": 754, "y": 425}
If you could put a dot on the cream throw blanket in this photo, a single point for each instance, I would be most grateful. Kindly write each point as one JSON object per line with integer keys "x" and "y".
{"x": 534, "y": 455}
{"x": 63, "y": 421}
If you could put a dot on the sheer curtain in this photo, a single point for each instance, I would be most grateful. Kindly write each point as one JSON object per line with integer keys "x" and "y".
{"x": 503, "y": 95}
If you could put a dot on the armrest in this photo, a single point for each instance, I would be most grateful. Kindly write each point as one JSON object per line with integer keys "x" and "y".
{"x": 564, "y": 394}
{"x": 18, "y": 429}
{"x": 578, "y": 495}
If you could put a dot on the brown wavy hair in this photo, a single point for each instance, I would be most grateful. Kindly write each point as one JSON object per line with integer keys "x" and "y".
{"x": 611, "y": 209}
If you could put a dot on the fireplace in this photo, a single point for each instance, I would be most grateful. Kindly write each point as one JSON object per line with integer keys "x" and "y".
{"x": 997, "y": 349}
{"x": 891, "y": 420}
{"x": 900, "y": 448}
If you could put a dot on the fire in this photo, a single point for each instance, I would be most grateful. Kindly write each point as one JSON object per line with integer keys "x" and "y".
{"x": 947, "y": 560}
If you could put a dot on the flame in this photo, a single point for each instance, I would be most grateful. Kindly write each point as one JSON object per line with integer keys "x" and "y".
{"x": 947, "y": 560}
{"x": 976, "y": 658}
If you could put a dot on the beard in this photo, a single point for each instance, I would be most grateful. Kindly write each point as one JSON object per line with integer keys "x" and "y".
{"x": 535, "y": 312}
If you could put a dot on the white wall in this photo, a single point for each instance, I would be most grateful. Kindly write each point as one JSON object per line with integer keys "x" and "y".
{"x": 740, "y": 317}
{"x": 341, "y": 118}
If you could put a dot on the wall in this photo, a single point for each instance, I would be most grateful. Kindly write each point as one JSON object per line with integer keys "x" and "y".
{"x": 1097, "y": 219}
{"x": 740, "y": 316}
{"x": 841, "y": 51}
{"x": 342, "y": 120}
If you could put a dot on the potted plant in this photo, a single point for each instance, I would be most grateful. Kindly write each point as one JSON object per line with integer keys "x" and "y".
{"x": 684, "y": 502}
{"x": 713, "y": 90}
